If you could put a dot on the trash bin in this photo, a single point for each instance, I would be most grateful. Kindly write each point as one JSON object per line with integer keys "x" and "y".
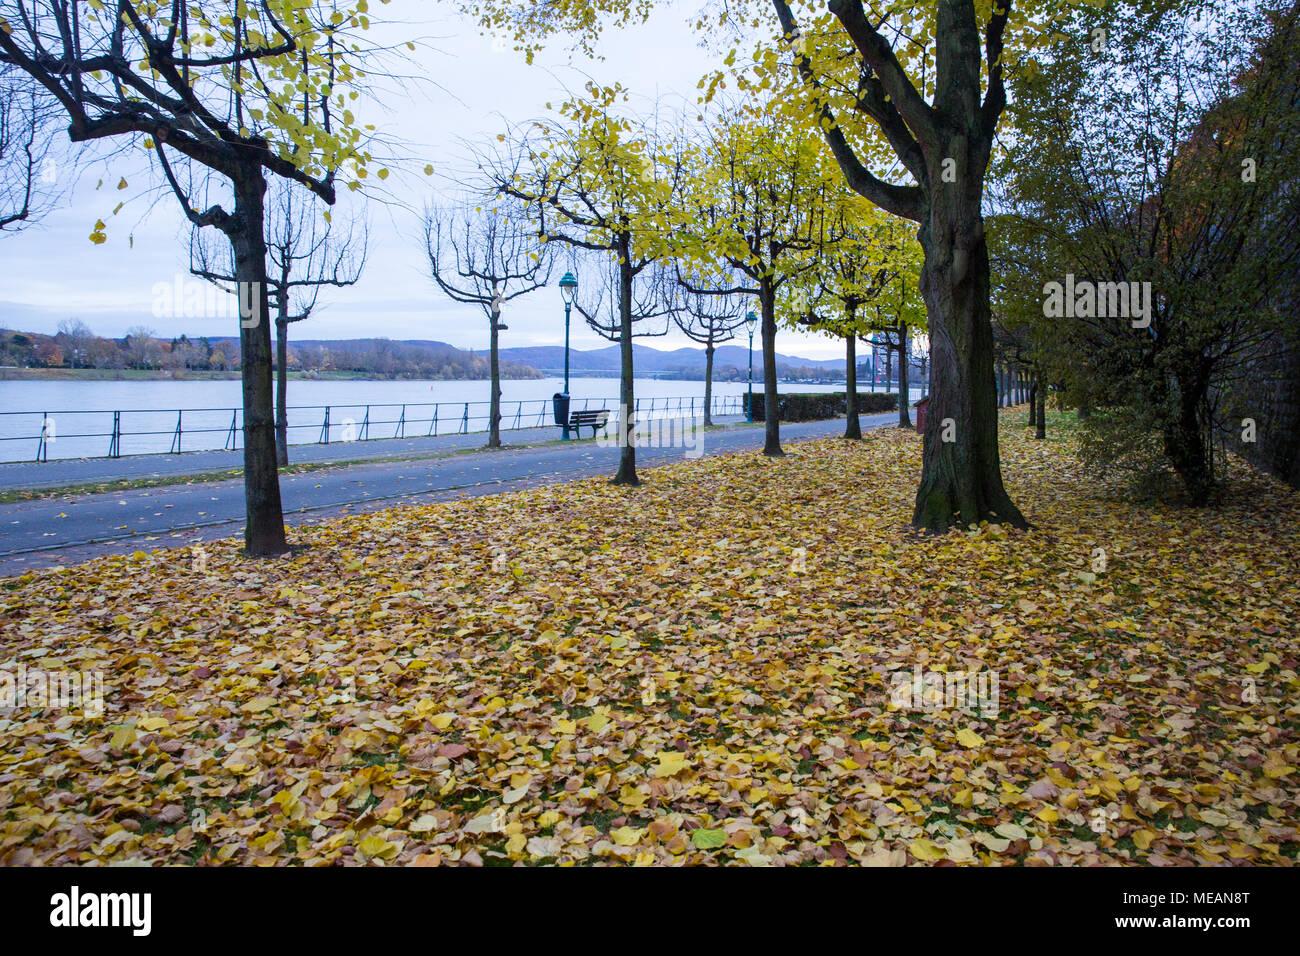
{"x": 560, "y": 400}
{"x": 921, "y": 408}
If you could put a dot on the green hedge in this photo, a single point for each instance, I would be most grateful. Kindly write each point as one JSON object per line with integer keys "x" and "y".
{"x": 811, "y": 406}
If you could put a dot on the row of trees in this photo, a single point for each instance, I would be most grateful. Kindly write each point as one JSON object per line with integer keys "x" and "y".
{"x": 908, "y": 99}
{"x": 845, "y": 120}
{"x": 700, "y": 224}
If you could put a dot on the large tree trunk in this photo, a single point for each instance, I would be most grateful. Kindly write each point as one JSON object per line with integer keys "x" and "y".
{"x": 771, "y": 404}
{"x": 627, "y": 400}
{"x": 1185, "y": 443}
{"x": 708, "y": 380}
{"x": 904, "y": 389}
{"x": 1040, "y": 419}
{"x": 854, "y": 427}
{"x": 282, "y": 386}
{"x": 264, "y": 520}
{"x": 494, "y": 365}
{"x": 961, "y": 479}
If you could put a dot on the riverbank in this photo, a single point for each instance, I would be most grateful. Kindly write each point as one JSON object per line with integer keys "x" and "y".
{"x": 201, "y": 375}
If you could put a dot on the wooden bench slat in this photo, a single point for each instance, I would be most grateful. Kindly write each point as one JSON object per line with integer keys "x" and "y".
{"x": 593, "y": 418}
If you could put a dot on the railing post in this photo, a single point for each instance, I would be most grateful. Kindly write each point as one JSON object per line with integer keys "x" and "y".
{"x": 325, "y": 428}
{"x": 176, "y": 435}
{"x": 115, "y": 443}
{"x": 230, "y": 432}
{"x": 42, "y": 448}
{"x": 401, "y": 425}
{"x": 365, "y": 425}
{"x": 464, "y": 422}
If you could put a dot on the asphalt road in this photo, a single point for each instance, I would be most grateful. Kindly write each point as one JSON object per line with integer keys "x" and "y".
{"x": 66, "y": 530}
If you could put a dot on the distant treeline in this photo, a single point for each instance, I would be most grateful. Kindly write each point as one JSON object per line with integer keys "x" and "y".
{"x": 730, "y": 373}
{"x": 76, "y": 346}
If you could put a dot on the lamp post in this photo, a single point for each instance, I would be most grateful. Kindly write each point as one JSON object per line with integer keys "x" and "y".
{"x": 751, "y": 322}
{"x": 568, "y": 289}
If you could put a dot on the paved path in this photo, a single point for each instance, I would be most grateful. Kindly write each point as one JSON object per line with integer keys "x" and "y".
{"x": 45, "y": 532}
{"x": 66, "y": 472}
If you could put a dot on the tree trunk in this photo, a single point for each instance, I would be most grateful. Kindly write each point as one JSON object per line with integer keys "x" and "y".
{"x": 1184, "y": 441}
{"x": 854, "y": 427}
{"x": 771, "y": 404}
{"x": 904, "y": 389}
{"x": 627, "y": 400}
{"x": 1085, "y": 410}
{"x": 1033, "y": 402}
{"x": 961, "y": 479}
{"x": 282, "y": 384}
{"x": 494, "y": 365}
{"x": 264, "y": 519}
{"x": 1040, "y": 420}
{"x": 708, "y": 380}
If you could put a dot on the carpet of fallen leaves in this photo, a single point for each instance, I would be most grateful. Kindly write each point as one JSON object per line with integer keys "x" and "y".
{"x": 694, "y": 671}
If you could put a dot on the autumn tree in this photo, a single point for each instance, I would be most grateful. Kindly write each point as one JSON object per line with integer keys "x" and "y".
{"x": 856, "y": 261}
{"x": 755, "y": 204}
{"x": 706, "y": 312}
{"x": 480, "y": 255}
{"x": 305, "y": 254}
{"x": 238, "y": 90}
{"x": 596, "y": 180}
{"x": 618, "y": 315}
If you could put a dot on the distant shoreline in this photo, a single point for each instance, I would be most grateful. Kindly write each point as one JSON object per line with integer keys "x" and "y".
{"x": 197, "y": 375}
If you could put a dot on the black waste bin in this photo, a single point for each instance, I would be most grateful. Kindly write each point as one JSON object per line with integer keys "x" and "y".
{"x": 561, "y": 402}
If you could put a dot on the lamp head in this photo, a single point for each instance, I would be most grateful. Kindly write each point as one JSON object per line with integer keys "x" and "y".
{"x": 568, "y": 287}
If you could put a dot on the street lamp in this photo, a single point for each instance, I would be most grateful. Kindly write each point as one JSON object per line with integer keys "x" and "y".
{"x": 751, "y": 321}
{"x": 568, "y": 289}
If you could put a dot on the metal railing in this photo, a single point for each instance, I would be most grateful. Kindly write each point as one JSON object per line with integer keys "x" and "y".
{"x": 189, "y": 429}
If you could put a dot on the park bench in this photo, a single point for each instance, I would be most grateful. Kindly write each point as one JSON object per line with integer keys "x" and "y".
{"x": 594, "y": 419}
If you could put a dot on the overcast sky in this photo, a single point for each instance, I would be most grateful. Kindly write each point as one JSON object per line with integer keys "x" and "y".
{"x": 471, "y": 92}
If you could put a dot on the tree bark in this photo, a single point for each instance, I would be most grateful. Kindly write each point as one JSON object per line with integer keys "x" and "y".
{"x": 1040, "y": 419}
{"x": 282, "y": 386}
{"x": 853, "y": 429}
{"x": 627, "y": 400}
{"x": 961, "y": 480}
{"x": 494, "y": 364}
{"x": 904, "y": 388}
{"x": 708, "y": 380}
{"x": 1184, "y": 440}
{"x": 264, "y": 520}
{"x": 771, "y": 404}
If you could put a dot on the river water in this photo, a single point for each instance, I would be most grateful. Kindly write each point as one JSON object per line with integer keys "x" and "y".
{"x": 78, "y": 416}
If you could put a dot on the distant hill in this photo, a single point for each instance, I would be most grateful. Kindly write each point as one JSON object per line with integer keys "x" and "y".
{"x": 550, "y": 358}
{"x": 649, "y": 360}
